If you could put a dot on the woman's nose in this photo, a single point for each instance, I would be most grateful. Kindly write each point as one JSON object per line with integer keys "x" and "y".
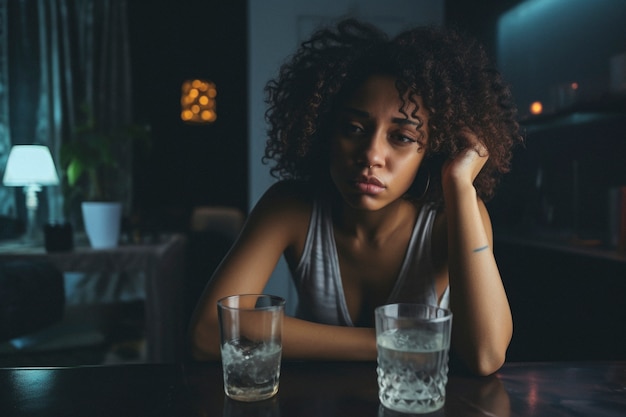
{"x": 374, "y": 150}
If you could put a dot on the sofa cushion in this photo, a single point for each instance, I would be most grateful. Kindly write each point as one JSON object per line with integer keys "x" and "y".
{"x": 32, "y": 297}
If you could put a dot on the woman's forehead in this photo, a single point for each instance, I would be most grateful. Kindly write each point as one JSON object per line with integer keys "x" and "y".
{"x": 382, "y": 92}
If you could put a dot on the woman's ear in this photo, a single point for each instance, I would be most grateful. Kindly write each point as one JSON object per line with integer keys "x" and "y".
{"x": 426, "y": 185}
{"x": 421, "y": 183}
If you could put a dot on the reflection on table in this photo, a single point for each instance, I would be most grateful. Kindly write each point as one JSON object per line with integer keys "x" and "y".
{"x": 324, "y": 389}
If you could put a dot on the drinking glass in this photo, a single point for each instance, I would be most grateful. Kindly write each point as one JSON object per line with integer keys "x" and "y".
{"x": 413, "y": 342}
{"x": 251, "y": 345}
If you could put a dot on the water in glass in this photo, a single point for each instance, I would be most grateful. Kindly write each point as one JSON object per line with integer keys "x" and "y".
{"x": 412, "y": 370}
{"x": 251, "y": 369}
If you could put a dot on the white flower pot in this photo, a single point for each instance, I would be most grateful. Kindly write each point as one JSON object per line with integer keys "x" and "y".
{"x": 103, "y": 221}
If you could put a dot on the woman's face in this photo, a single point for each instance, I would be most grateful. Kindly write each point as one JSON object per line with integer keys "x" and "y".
{"x": 376, "y": 150}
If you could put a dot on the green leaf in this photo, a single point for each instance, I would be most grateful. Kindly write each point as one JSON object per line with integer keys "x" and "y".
{"x": 74, "y": 171}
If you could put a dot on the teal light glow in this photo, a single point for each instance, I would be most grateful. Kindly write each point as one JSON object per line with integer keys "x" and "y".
{"x": 545, "y": 45}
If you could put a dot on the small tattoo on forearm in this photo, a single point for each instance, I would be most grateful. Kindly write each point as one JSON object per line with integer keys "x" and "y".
{"x": 482, "y": 248}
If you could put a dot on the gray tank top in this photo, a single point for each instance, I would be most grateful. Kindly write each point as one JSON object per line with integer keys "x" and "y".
{"x": 318, "y": 281}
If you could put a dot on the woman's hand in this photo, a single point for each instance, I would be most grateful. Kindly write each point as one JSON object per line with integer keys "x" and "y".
{"x": 464, "y": 168}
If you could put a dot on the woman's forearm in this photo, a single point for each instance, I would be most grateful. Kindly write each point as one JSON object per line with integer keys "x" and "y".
{"x": 482, "y": 318}
{"x": 307, "y": 340}
{"x": 302, "y": 340}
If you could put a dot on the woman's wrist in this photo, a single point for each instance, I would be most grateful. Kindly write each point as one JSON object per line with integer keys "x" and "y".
{"x": 458, "y": 191}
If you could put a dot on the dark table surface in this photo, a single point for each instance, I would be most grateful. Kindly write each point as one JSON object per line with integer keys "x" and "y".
{"x": 324, "y": 389}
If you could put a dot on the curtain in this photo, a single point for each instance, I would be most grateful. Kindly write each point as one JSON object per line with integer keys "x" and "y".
{"x": 56, "y": 58}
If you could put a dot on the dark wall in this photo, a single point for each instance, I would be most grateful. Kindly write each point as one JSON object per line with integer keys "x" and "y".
{"x": 189, "y": 165}
{"x": 566, "y": 305}
{"x": 478, "y": 18}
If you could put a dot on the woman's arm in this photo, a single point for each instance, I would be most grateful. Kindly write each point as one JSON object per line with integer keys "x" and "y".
{"x": 482, "y": 324}
{"x": 245, "y": 269}
{"x": 307, "y": 340}
{"x": 278, "y": 222}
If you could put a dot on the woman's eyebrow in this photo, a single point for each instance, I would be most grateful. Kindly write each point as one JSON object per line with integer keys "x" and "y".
{"x": 356, "y": 112}
{"x": 397, "y": 120}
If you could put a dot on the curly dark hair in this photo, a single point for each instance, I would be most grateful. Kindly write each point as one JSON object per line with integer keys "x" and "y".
{"x": 458, "y": 84}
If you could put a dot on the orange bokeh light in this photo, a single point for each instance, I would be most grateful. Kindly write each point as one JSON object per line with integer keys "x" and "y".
{"x": 536, "y": 107}
{"x": 198, "y": 101}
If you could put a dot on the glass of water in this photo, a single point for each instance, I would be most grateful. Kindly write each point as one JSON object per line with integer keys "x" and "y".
{"x": 251, "y": 345}
{"x": 413, "y": 341}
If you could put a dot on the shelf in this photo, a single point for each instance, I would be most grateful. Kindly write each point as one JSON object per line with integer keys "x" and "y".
{"x": 606, "y": 109}
{"x": 589, "y": 248}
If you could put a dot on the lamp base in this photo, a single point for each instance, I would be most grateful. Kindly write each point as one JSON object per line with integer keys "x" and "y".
{"x": 33, "y": 236}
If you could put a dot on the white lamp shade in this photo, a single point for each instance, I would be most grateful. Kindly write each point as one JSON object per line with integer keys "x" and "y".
{"x": 30, "y": 165}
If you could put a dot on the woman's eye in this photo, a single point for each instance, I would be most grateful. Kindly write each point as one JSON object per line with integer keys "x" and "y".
{"x": 350, "y": 128}
{"x": 404, "y": 139}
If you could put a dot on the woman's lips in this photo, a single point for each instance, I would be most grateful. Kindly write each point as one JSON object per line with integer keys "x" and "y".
{"x": 369, "y": 185}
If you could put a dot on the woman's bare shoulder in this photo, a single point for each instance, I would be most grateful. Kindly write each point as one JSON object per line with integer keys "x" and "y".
{"x": 286, "y": 204}
{"x": 282, "y": 215}
{"x": 288, "y": 195}
{"x": 291, "y": 191}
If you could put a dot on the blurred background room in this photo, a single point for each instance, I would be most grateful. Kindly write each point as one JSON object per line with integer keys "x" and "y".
{"x": 168, "y": 96}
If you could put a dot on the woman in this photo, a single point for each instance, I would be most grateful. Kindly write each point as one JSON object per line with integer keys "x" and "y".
{"x": 387, "y": 150}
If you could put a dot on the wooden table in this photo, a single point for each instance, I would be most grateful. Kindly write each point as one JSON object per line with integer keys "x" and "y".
{"x": 324, "y": 389}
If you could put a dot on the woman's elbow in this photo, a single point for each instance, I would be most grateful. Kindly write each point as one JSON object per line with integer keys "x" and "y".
{"x": 481, "y": 360}
{"x": 486, "y": 364}
{"x": 201, "y": 355}
{"x": 203, "y": 344}
{"x": 488, "y": 356}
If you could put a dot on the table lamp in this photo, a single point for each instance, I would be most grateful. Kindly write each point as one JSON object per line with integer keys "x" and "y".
{"x": 31, "y": 167}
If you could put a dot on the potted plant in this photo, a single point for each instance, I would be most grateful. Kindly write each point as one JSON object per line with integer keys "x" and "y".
{"x": 94, "y": 178}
